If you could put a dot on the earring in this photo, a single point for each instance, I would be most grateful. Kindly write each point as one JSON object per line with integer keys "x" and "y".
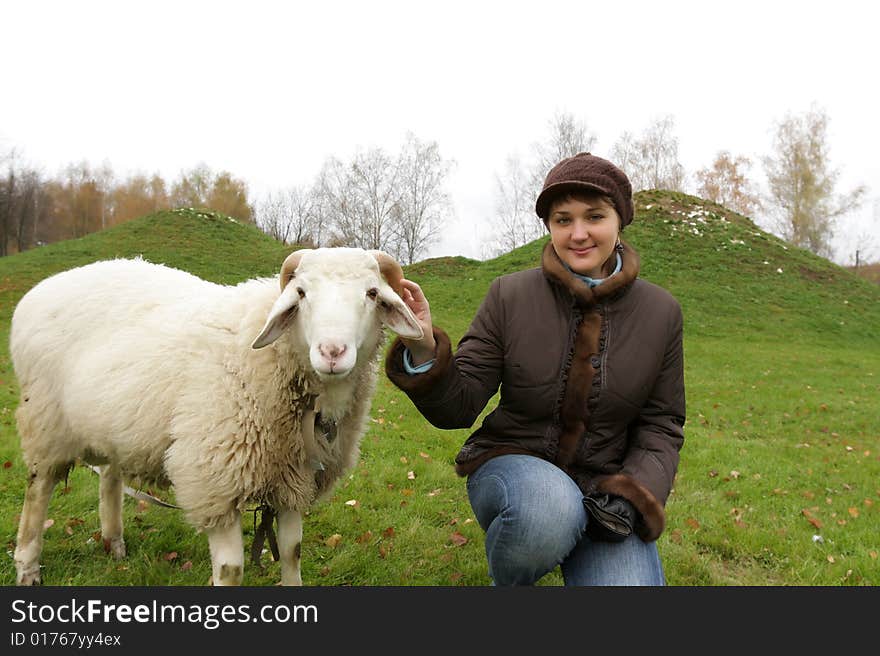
{"x": 618, "y": 246}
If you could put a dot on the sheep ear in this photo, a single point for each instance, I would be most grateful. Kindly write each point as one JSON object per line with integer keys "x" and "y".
{"x": 396, "y": 315}
{"x": 280, "y": 316}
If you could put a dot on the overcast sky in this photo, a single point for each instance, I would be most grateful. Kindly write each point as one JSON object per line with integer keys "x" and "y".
{"x": 269, "y": 90}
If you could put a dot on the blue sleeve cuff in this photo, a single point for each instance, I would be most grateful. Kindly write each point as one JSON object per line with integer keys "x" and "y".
{"x": 410, "y": 369}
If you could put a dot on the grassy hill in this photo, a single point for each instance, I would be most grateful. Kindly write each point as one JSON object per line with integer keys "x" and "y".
{"x": 778, "y": 479}
{"x": 869, "y": 272}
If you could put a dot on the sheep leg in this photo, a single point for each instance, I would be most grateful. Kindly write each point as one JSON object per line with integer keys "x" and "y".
{"x": 110, "y": 508}
{"x": 290, "y": 545}
{"x": 227, "y": 553}
{"x": 29, "y": 543}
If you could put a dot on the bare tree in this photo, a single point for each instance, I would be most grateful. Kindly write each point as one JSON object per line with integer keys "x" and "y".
{"x": 363, "y": 197}
{"x": 28, "y": 208}
{"x": 624, "y": 153}
{"x": 7, "y": 201}
{"x": 422, "y": 203}
{"x": 727, "y": 183}
{"x": 517, "y": 187}
{"x": 802, "y": 182}
{"x": 651, "y": 162}
{"x": 567, "y": 136}
{"x": 516, "y": 223}
{"x": 290, "y": 216}
{"x": 104, "y": 181}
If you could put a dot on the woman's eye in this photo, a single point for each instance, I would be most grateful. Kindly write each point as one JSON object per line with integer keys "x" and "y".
{"x": 301, "y": 292}
{"x": 373, "y": 293}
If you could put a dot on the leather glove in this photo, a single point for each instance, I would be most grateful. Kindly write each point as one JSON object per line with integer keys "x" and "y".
{"x": 611, "y": 517}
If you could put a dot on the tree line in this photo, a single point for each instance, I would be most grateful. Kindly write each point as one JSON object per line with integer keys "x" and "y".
{"x": 398, "y": 201}
{"x": 37, "y": 210}
{"x": 801, "y": 203}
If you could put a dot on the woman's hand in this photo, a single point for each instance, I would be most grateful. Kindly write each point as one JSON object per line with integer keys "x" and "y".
{"x": 423, "y": 349}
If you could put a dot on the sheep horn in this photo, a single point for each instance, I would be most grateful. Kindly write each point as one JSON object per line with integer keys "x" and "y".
{"x": 390, "y": 270}
{"x": 289, "y": 266}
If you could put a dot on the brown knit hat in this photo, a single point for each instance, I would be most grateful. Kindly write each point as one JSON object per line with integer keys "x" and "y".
{"x": 586, "y": 172}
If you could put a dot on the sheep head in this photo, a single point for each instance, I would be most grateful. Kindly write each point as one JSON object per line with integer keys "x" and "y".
{"x": 334, "y": 300}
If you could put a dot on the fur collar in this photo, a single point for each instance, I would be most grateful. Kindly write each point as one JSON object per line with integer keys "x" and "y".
{"x": 583, "y": 294}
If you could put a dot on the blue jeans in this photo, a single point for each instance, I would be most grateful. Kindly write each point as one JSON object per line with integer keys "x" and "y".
{"x": 534, "y": 519}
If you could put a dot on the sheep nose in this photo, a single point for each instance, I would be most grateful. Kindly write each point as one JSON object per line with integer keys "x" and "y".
{"x": 331, "y": 351}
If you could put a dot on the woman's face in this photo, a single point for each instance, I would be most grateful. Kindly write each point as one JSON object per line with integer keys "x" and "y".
{"x": 584, "y": 233}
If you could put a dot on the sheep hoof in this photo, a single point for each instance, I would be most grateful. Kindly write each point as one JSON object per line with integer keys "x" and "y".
{"x": 31, "y": 576}
{"x": 115, "y": 547}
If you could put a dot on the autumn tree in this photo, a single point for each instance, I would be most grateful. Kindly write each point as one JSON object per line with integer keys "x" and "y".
{"x": 192, "y": 188}
{"x": 726, "y": 182}
{"x": 200, "y": 187}
{"x": 229, "y": 196}
{"x": 81, "y": 200}
{"x": 132, "y": 198}
{"x": 651, "y": 161}
{"x": 802, "y": 182}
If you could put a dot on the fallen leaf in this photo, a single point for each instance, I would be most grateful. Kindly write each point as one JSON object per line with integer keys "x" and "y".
{"x": 424, "y": 455}
{"x": 324, "y": 571}
{"x": 830, "y": 558}
{"x": 873, "y": 555}
{"x": 407, "y": 492}
{"x": 353, "y": 503}
{"x": 7, "y": 464}
{"x": 693, "y": 523}
{"x": 384, "y": 548}
{"x": 434, "y": 493}
{"x": 142, "y": 506}
{"x": 458, "y": 539}
{"x": 404, "y": 460}
{"x": 68, "y": 530}
{"x": 854, "y": 512}
{"x": 734, "y": 474}
{"x": 171, "y": 555}
{"x": 815, "y": 522}
{"x": 455, "y": 577}
{"x": 333, "y": 541}
{"x": 411, "y": 475}
{"x": 713, "y": 473}
{"x": 186, "y": 566}
{"x": 48, "y": 523}
{"x": 675, "y": 536}
{"x": 364, "y": 537}
{"x": 388, "y": 532}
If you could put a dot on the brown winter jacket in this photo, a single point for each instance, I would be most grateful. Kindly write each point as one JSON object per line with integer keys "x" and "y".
{"x": 591, "y": 380}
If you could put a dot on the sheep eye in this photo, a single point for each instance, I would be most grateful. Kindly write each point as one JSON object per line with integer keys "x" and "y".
{"x": 373, "y": 293}
{"x": 299, "y": 290}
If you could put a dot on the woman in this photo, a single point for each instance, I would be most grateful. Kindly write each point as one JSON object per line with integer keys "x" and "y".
{"x": 575, "y": 464}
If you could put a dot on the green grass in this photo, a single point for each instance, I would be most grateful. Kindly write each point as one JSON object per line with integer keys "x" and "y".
{"x": 782, "y": 439}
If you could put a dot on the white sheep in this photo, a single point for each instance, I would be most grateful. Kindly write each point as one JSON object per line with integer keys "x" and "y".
{"x": 164, "y": 378}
